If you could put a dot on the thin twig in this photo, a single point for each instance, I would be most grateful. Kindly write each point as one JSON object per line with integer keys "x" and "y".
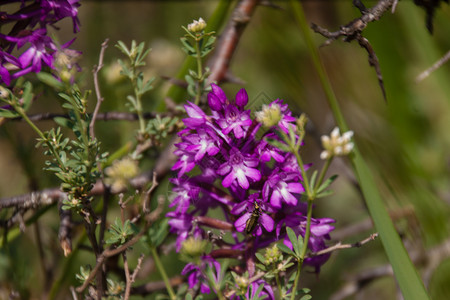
{"x": 130, "y": 279}
{"x": 353, "y": 31}
{"x": 74, "y": 293}
{"x": 97, "y": 88}
{"x": 434, "y": 67}
{"x": 340, "y": 246}
{"x": 101, "y": 116}
{"x": 146, "y": 198}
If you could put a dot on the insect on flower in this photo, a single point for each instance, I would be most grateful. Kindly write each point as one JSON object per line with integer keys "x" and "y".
{"x": 251, "y": 223}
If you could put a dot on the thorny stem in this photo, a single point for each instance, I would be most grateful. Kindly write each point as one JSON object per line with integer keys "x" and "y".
{"x": 163, "y": 273}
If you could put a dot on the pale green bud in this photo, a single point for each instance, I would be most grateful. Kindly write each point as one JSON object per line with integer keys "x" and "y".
{"x": 273, "y": 255}
{"x": 269, "y": 116}
{"x": 120, "y": 173}
{"x": 194, "y": 247}
{"x": 197, "y": 26}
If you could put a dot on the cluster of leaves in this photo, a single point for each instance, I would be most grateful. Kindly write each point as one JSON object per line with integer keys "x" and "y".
{"x": 75, "y": 161}
{"x": 201, "y": 45}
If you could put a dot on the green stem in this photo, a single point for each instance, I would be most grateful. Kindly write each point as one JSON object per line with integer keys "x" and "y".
{"x": 199, "y": 70}
{"x": 309, "y": 193}
{"x": 277, "y": 279}
{"x": 163, "y": 273}
{"x": 304, "y": 249}
{"x": 139, "y": 109}
{"x": 20, "y": 111}
{"x": 297, "y": 279}
{"x": 322, "y": 173}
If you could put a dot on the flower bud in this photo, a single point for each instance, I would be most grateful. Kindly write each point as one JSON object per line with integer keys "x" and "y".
{"x": 197, "y": 26}
{"x": 194, "y": 247}
{"x": 269, "y": 116}
{"x": 120, "y": 173}
{"x": 273, "y": 255}
{"x": 336, "y": 144}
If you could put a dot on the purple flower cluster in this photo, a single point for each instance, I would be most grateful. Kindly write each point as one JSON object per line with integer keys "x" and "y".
{"x": 29, "y": 36}
{"x": 223, "y": 164}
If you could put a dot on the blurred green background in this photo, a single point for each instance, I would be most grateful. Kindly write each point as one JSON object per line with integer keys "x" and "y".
{"x": 405, "y": 140}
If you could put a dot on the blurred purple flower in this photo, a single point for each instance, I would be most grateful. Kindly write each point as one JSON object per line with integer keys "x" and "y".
{"x": 35, "y": 16}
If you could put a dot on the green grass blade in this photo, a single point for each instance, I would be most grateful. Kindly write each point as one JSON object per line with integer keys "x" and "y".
{"x": 407, "y": 277}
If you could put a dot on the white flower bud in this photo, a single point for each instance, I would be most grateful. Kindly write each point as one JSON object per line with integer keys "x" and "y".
{"x": 197, "y": 26}
{"x": 336, "y": 144}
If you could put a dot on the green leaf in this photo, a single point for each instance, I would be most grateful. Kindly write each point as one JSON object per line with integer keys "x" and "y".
{"x": 64, "y": 122}
{"x": 324, "y": 194}
{"x": 260, "y": 257}
{"x": 27, "y": 95}
{"x": 312, "y": 181}
{"x": 326, "y": 183}
{"x": 285, "y": 249}
{"x": 50, "y": 80}
{"x": 293, "y": 238}
{"x": 8, "y": 113}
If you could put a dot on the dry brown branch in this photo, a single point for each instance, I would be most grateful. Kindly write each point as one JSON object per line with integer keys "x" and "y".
{"x": 340, "y": 246}
{"x": 65, "y": 229}
{"x": 130, "y": 278}
{"x": 226, "y": 46}
{"x": 353, "y": 31}
{"x": 97, "y": 88}
{"x": 105, "y": 116}
{"x": 434, "y": 67}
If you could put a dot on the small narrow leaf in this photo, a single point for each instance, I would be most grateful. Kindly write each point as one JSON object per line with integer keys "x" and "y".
{"x": 293, "y": 238}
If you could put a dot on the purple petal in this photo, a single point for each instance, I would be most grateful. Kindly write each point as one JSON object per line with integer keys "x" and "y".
{"x": 241, "y": 98}
{"x": 267, "y": 222}
{"x": 241, "y": 223}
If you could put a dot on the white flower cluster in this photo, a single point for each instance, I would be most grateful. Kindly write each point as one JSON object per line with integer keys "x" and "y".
{"x": 197, "y": 26}
{"x": 336, "y": 144}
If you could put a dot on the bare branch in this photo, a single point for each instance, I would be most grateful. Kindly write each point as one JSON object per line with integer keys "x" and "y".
{"x": 97, "y": 88}
{"x": 227, "y": 44}
{"x": 340, "y": 246}
{"x": 353, "y": 31}
{"x": 434, "y": 67}
{"x": 65, "y": 229}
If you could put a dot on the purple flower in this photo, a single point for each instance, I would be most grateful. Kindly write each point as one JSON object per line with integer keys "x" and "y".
{"x": 32, "y": 34}
{"x": 249, "y": 206}
{"x": 196, "y": 115}
{"x": 231, "y": 171}
{"x": 280, "y": 187}
{"x": 197, "y": 273}
{"x": 266, "y": 291}
{"x": 200, "y": 143}
{"x": 185, "y": 193}
{"x": 238, "y": 169}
